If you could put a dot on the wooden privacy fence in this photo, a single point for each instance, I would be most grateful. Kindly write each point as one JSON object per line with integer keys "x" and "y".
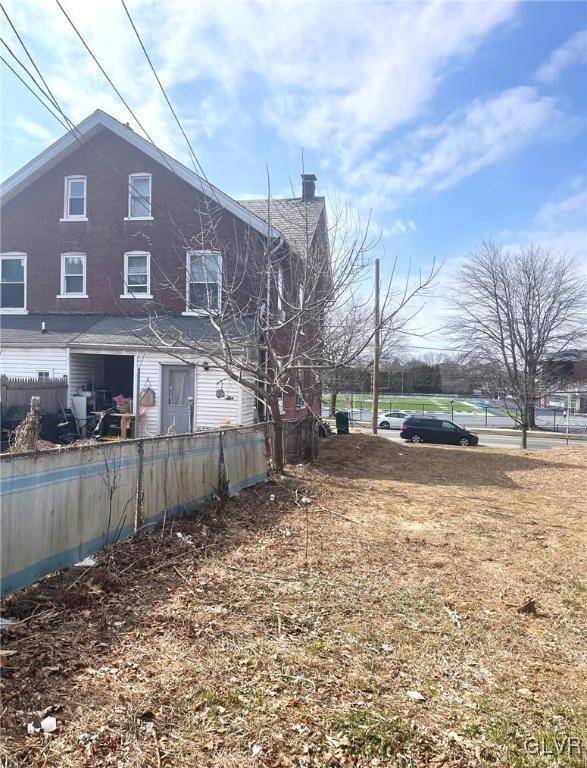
{"x": 18, "y": 392}
{"x": 60, "y": 506}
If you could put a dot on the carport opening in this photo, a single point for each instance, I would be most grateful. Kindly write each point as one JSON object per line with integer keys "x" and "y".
{"x": 99, "y": 383}
{"x": 119, "y": 375}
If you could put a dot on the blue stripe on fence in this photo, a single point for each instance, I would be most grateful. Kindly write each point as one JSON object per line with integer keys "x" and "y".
{"x": 10, "y": 485}
{"x": 21, "y": 579}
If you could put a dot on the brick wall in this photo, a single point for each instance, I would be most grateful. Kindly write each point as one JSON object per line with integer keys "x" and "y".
{"x": 31, "y": 224}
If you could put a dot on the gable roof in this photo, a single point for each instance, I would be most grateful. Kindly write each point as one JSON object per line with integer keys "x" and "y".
{"x": 98, "y": 121}
{"x": 294, "y": 217}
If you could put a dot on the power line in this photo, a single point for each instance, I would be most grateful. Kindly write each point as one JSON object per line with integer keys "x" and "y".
{"x": 108, "y": 78}
{"x": 69, "y": 126}
{"x": 27, "y": 86}
{"x": 129, "y": 108}
{"x": 196, "y": 163}
{"x": 38, "y": 71}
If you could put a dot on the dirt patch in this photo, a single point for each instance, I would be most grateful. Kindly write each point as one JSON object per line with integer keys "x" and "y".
{"x": 376, "y": 625}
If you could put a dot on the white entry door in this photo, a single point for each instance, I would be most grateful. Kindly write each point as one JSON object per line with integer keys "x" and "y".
{"x": 178, "y": 386}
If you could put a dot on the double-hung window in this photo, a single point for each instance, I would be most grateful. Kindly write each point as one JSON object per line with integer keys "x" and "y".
{"x": 139, "y": 196}
{"x": 13, "y": 282}
{"x": 75, "y": 198}
{"x": 137, "y": 275}
{"x": 204, "y": 276}
{"x": 73, "y": 276}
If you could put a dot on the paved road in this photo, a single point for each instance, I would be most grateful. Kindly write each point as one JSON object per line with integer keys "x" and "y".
{"x": 472, "y": 420}
{"x": 503, "y": 441}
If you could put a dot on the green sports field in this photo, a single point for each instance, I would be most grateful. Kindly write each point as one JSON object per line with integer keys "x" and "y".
{"x": 406, "y": 403}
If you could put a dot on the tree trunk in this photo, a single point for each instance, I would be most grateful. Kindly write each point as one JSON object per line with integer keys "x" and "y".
{"x": 333, "y": 396}
{"x": 531, "y": 416}
{"x": 524, "y": 434}
{"x": 277, "y": 456}
{"x": 525, "y": 419}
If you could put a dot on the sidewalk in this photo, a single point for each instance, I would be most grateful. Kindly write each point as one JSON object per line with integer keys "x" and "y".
{"x": 501, "y": 431}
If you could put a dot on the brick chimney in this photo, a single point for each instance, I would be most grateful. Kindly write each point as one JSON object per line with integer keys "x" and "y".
{"x": 308, "y": 186}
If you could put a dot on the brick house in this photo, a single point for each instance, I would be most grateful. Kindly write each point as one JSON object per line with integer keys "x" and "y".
{"x": 109, "y": 245}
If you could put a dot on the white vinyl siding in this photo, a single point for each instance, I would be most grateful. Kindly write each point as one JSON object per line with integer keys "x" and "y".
{"x": 75, "y": 198}
{"x": 137, "y": 275}
{"x": 27, "y": 362}
{"x": 84, "y": 370}
{"x": 13, "y": 276}
{"x": 139, "y": 196}
{"x": 210, "y": 411}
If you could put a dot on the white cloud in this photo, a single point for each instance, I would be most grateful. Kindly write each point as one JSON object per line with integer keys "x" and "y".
{"x": 573, "y": 51}
{"x": 34, "y": 130}
{"x": 331, "y": 75}
{"x": 438, "y": 156}
{"x": 560, "y": 223}
{"x": 338, "y": 77}
{"x": 557, "y": 212}
{"x": 399, "y": 227}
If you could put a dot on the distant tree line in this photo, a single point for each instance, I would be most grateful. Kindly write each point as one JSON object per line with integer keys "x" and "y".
{"x": 428, "y": 374}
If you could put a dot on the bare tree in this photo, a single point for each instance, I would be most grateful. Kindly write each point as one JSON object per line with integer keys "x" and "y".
{"x": 266, "y": 303}
{"x": 348, "y": 332}
{"x": 515, "y": 309}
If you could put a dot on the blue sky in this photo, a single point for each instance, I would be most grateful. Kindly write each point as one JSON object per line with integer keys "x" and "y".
{"x": 450, "y": 122}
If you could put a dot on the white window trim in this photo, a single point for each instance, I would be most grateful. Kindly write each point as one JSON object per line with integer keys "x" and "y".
{"x": 206, "y": 252}
{"x": 301, "y": 303}
{"x": 129, "y": 294}
{"x": 16, "y": 310}
{"x": 81, "y": 217}
{"x": 299, "y": 399}
{"x": 132, "y": 176}
{"x": 280, "y": 307}
{"x": 63, "y": 294}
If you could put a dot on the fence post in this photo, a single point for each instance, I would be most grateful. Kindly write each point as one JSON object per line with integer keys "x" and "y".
{"x": 140, "y": 488}
{"x": 222, "y": 474}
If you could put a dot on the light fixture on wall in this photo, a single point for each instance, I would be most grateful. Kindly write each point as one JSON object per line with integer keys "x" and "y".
{"x": 219, "y": 390}
{"x": 206, "y": 365}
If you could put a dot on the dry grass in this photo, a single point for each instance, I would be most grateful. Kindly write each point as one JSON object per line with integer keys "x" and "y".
{"x": 288, "y": 634}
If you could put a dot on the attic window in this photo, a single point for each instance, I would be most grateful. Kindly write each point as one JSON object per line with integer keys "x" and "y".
{"x": 75, "y": 198}
{"x": 139, "y": 196}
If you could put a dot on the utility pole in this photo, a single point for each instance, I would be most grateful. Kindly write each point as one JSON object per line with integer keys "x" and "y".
{"x": 377, "y": 339}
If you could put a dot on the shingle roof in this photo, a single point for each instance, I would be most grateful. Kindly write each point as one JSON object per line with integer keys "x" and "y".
{"x": 60, "y": 329}
{"x": 104, "y": 331}
{"x": 142, "y": 331}
{"x": 294, "y": 217}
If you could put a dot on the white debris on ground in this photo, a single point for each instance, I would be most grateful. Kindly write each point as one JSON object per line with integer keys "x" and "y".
{"x": 87, "y": 562}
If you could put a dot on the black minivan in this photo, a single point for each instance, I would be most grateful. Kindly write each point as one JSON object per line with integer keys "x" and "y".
{"x": 422, "y": 430}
